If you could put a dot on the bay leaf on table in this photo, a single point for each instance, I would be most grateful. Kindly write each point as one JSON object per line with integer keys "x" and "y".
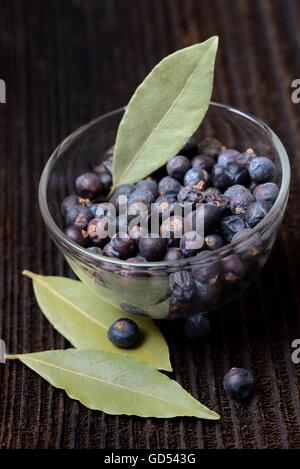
{"x": 115, "y": 384}
{"x": 166, "y": 109}
{"x": 83, "y": 318}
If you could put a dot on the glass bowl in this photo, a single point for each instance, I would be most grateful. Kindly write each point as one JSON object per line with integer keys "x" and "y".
{"x": 144, "y": 288}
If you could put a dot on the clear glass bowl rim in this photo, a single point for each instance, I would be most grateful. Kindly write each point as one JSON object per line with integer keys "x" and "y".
{"x": 77, "y": 250}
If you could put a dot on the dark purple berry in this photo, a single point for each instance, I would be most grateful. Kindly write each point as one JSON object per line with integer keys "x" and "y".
{"x": 267, "y": 192}
{"x": 104, "y": 210}
{"x": 178, "y": 166}
{"x": 214, "y": 242}
{"x": 123, "y": 190}
{"x": 191, "y": 244}
{"x": 137, "y": 231}
{"x": 210, "y": 146}
{"x": 107, "y": 250}
{"x": 250, "y": 244}
{"x": 79, "y": 216}
{"x": 214, "y": 197}
{"x": 153, "y": 249}
{"x": 122, "y": 246}
{"x": 208, "y": 294}
{"x": 232, "y": 269}
{"x": 239, "y": 384}
{"x": 77, "y": 235}
{"x": 178, "y": 307}
{"x": 142, "y": 195}
{"x": 232, "y": 191}
{"x": 208, "y": 272}
{"x": 190, "y": 194}
{"x": 197, "y": 177}
{"x": 169, "y": 185}
{"x": 190, "y": 149}
{"x": 173, "y": 254}
{"x": 245, "y": 158}
{"x": 220, "y": 178}
{"x": 124, "y": 333}
{"x": 98, "y": 230}
{"x": 237, "y": 174}
{"x": 173, "y": 229}
{"x": 148, "y": 185}
{"x": 164, "y": 205}
{"x": 72, "y": 201}
{"x": 203, "y": 220}
{"x": 182, "y": 285}
{"x": 88, "y": 185}
{"x": 106, "y": 181}
{"x": 230, "y": 226}
{"x": 240, "y": 202}
{"x": 227, "y": 156}
{"x": 204, "y": 162}
{"x": 257, "y": 212}
{"x": 261, "y": 169}
{"x": 197, "y": 327}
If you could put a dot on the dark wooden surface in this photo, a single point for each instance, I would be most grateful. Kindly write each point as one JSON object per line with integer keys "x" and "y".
{"x": 68, "y": 61}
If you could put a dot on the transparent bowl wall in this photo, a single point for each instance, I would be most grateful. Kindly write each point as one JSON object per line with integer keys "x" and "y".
{"x": 144, "y": 289}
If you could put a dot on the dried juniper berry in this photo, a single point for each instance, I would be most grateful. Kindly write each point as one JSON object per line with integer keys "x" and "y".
{"x": 103, "y": 210}
{"x": 88, "y": 185}
{"x": 153, "y": 249}
{"x": 237, "y": 174}
{"x": 203, "y": 220}
{"x": 164, "y": 205}
{"x": 106, "y": 181}
{"x": 173, "y": 254}
{"x": 214, "y": 197}
{"x": 179, "y": 308}
{"x": 123, "y": 246}
{"x": 190, "y": 149}
{"x": 77, "y": 235}
{"x": 169, "y": 185}
{"x": 197, "y": 327}
{"x": 210, "y": 146}
{"x": 239, "y": 384}
{"x": 79, "y": 216}
{"x": 250, "y": 244}
{"x": 172, "y": 229}
{"x": 142, "y": 195}
{"x": 178, "y": 166}
{"x": 230, "y": 226}
{"x": 197, "y": 177}
{"x": 191, "y": 244}
{"x": 232, "y": 269}
{"x": 107, "y": 250}
{"x": 208, "y": 272}
{"x": 137, "y": 231}
{"x": 204, "y": 162}
{"x": 123, "y": 190}
{"x": 190, "y": 194}
{"x": 148, "y": 185}
{"x": 240, "y": 201}
{"x": 207, "y": 294}
{"x": 257, "y": 212}
{"x": 97, "y": 230}
{"x": 245, "y": 158}
{"x": 182, "y": 284}
{"x": 220, "y": 178}
{"x": 214, "y": 242}
{"x": 72, "y": 201}
{"x": 227, "y": 156}
{"x": 261, "y": 169}
{"x": 124, "y": 333}
{"x": 267, "y": 192}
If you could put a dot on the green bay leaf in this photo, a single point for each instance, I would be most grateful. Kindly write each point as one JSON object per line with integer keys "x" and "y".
{"x": 115, "y": 384}
{"x": 166, "y": 109}
{"x": 83, "y": 318}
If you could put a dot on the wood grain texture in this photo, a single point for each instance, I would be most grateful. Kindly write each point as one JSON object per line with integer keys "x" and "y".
{"x": 66, "y": 62}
